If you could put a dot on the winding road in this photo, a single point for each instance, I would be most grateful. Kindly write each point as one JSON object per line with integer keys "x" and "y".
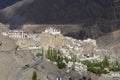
{"x": 18, "y": 75}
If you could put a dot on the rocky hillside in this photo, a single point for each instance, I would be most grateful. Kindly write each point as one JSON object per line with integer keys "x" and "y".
{"x": 4, "y": 27}
{"x": 55, "y": 12}
{"x": 111, "y": 41}
{"x": 11, "y": 63}
{"x": 6, "y": 44}
{"x": 95, "y": 17}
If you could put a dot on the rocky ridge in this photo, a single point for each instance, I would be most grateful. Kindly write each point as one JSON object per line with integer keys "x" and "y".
{"x": 111, "y": 42}
{"x": 96, "y": 17}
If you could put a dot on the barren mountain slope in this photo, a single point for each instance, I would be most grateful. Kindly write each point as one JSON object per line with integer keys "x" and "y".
{"x": 11, "y": 63}
{"x": 111, "y": 41}
{"x": 95, "y": 17}
{"x": 6, "y": 44}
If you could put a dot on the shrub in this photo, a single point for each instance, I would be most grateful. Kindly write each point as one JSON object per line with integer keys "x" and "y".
{"x": 96, "y": 67}
{"x": 34, "y": 77}
{"x": 56, "y": 56}
{"x": 39, "y": 54}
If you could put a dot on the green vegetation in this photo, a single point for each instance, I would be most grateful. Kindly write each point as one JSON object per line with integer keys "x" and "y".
{"x": 71, "y": 78}
{"x": 115, "y": 67}
{"x": 73, "y": 58}
{"x": 105, "y": 62}
{"x": 35, "y": 77}
{"x": 56, "y": 56}
{"x": 100, "y": 67}
{"x": 39, "y": 54}
{"x": 83, "y": 78}
{"x": 97, "y": 67}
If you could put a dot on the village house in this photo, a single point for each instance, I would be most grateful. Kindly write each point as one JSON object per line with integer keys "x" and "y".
{"x": 17, "y": 34}
{"x": 34, "y": 47}
{"x": 52, "y": 31}
{"x": 14, "y": 33}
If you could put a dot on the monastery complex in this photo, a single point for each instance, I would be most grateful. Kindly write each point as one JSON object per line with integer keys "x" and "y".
{"x": 17, "y": 34}
{"x": 52, "y": 37}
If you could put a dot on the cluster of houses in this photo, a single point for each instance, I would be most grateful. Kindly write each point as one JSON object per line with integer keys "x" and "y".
{"x": 110, "y": 76}
{"x": 20, "y": 34}
{"x": 78, "y": 47}
{"x": 14, "y": 33}
{"x": 17, "y": 34}
{"x": 78, "y": 67}
{"x": 81, "y": 49}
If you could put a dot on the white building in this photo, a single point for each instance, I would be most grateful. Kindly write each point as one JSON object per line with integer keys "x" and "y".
{"x": 17, "y": 34}
{"x": 117, "y": 74}
{"x": 52, "y": 31}
{"x": 79, "y": 67}
{"x": 34, "y": 47}
{"x": 14, "y": 34}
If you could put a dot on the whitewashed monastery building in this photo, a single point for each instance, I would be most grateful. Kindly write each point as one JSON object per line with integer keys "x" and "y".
{"x": 14, "y": 33}
{"x": 52, "y": 31}
{"x": 17, "y": 34}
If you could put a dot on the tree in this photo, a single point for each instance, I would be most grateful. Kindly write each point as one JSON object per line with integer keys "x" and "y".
{"x": 83, "y": 78}
{"x": 105, "y": 62}
{"x": 70, "y": 78}
{"x": 39, "y": 54}
{"x": 34, "y": 77}
{"x": 116, "y": 63}
{"x": 38, "y": 78}
{"x": 92, "y": 54}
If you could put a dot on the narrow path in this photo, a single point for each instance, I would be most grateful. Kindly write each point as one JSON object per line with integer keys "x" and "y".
{"x": 18, "y": 75}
